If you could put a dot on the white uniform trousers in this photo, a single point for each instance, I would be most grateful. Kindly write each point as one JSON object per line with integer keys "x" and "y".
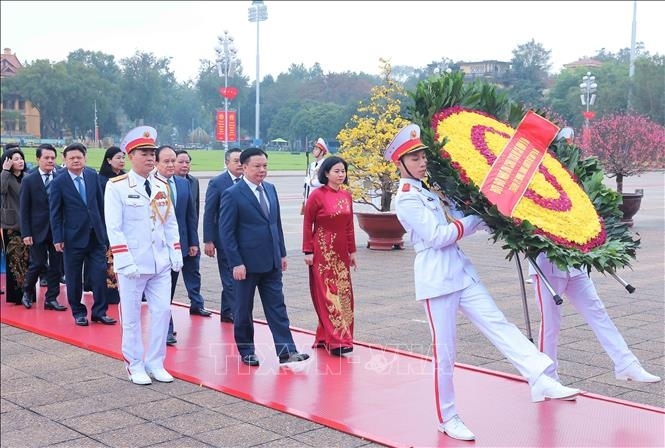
{"x": 157, "y": 289}
{"x": 479, "y": 307}
{"x": 581, "y": 292}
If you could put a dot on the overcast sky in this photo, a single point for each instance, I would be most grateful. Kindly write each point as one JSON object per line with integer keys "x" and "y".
{"x": 339, "y": 35}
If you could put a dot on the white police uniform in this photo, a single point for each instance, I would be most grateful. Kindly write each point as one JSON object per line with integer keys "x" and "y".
{"x": 446, "y": 282}
{"x": 144, "y": 240}
{"x": 578, "y": 287}
{"x": 312, "y": 178}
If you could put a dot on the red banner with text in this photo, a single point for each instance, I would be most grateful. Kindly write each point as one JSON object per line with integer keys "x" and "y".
{"x": 221, "y": 125}
{"x": 513, "y": 170}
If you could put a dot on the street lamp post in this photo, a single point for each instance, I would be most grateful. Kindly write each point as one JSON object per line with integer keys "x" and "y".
{"x": 258, "y": 12}
{"x": 588, "y": 88}
{"x": 226, "y": 55}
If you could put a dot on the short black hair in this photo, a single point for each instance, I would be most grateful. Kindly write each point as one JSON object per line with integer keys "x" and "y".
{"x": 327, "y": 165}
{"x": 75, "y": 147}
{"x": 183, "y": 151}
{"x": 227, "y": 154}
{"x": 249, "y": 152}
{"x": 45, "y": 146}
{"x": 11, "y": 145}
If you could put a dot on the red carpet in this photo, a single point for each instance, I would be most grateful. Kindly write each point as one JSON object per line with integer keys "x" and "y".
{"x": 381, "y": 395}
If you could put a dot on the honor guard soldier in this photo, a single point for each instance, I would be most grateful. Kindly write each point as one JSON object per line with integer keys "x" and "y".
{"x": 446, "y": 282}
{"x": 144, "y": 240}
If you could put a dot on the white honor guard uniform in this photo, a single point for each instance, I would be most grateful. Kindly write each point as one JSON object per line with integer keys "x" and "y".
{"x": 312, "y": 178}
{"x": 446, "y": 282}
{"x": 144, "y": 240}
{"x": 578, "y": 288}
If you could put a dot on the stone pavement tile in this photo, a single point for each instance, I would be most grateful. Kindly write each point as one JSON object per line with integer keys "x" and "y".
{"x": 137, "y": 436}
{"x": 21, "y": 418}
{"x": 27, "y": 383}
{"x": 182, "y": 442}
{"x": 210, "y": 399}
{"x": 246, "y": 411}
{"x": 97, "y": 422}
{"x": 180, "y": 387}
{"x": 39, "y": 396}
{"x": 66, "y": 377}
{"x": 8, "y": 406}
{"x": 44, "y": 434}
{"x": 73, "y": 407}
{"x": 81, "y": 442}
{"x": 197, "y": 422}
{"x": 130, "y": 395}
{"x": 168, "y": 407}
{"x": 286, "y": 424}
{"x": 10, "y": 373}
{"x": 329, "y": 437}
{"x": 27, "y": 361}
{"x": 285, "y": 442}
{"x": 11, "y": 348}
{"x": 243, "y": 434}
{"x": 99, "y": 386}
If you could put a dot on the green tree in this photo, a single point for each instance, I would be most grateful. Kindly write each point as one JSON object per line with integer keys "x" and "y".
{"x": 526, "y": 80}
{"x": 147, "y": 86}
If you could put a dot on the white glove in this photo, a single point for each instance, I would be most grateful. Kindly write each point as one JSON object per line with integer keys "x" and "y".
{"x": 483, "y": 226}
{"x": 131, "y": 271}
{"x": 176, "y": 266}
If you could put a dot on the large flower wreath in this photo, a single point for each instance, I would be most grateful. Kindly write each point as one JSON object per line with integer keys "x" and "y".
{"x": 566, "y": 211}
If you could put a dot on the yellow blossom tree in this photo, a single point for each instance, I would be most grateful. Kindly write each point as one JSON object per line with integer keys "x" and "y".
{"x": 365, "y": 137}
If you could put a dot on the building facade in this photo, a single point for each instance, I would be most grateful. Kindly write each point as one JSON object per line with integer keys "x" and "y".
{"x": 20, "y": 119}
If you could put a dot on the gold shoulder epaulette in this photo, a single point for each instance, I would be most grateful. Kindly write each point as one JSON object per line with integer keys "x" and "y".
{"x": 118, "y": 178}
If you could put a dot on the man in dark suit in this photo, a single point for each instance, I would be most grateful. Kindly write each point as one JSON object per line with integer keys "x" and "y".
{"x": 77, "y": 223}
{"x": 36, "y": 231}
{"x": 211, "y": 238}
{"x": 185, "y": 212}
{"x": 250, "y": 228}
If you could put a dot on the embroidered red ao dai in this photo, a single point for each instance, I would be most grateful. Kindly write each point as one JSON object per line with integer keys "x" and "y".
{"x": 328, "y": 232}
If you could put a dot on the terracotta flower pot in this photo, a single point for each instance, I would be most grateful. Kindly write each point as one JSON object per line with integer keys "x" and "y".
{"x": 630, "y": 206}
{"x": 384, "y": 230}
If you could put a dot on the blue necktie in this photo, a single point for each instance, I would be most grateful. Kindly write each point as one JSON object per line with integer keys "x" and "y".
{"x": 262, "y": 201}
{"x": 80, "y": 186}
{"x": 146, "y": 184}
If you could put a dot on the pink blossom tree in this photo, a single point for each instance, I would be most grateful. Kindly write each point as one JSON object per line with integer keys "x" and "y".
{"x": 626, "y": 145}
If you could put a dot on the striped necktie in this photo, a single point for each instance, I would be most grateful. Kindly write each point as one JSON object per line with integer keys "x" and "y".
{"x": 262, "y": 201}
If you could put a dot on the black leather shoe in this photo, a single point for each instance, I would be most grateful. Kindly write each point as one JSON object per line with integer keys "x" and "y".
{"x": 339, "y": 351}
{"x": 43, "y": 283}
{"x": 293, "y": 357}
{"x": 81, "y": 321}
{"x": 226, "y": 318}
{"x": 54, "y": 305}
{"x": 200, "y": 312}
{"x": 26, "y": 300}
{"x": 171, "y": 340}
{"x": 104, "y": 320}
{"x": 250, "y": 360}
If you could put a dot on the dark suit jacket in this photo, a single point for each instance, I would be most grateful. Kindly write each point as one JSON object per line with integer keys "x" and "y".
{"x": 216, "y": 187}
{"x": 194, "y": 188}
{"x": 71, "y": 218}
{"x": 34, "y": 209}
{"x": 185, "y": 213}
{"x": 249, "y": 237}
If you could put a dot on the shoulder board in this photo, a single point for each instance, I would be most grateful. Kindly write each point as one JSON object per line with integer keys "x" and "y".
{"x": 406, "y": 187}
{"x": 118, "y": 178}
{"x": 162, "y": 180}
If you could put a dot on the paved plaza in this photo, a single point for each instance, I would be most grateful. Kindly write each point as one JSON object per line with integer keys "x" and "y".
{"x": 55, "y": 394}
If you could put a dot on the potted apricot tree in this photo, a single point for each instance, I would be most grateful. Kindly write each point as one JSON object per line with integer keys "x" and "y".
{"x": 372, "y": 180}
